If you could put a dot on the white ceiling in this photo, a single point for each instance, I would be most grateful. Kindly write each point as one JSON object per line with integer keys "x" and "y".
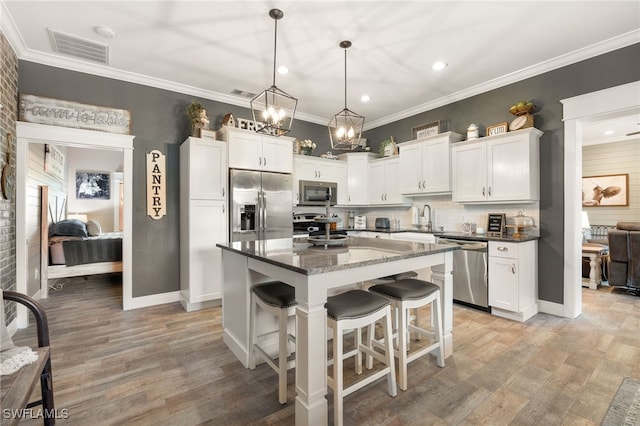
{"x": 210, "y": 48}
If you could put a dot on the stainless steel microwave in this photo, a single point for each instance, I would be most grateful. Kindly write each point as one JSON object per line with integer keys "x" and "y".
{"x": 315, "y": 193}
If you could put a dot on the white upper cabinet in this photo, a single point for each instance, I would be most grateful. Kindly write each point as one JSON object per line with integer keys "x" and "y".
{"x": 384, "y": 181}
{"x": 425, "y": 165}
{"x": 209, "y": 158}
{"x": 497, "y": 169}
{"x": 254, "y": 151}
{"x": 357, "y": 177}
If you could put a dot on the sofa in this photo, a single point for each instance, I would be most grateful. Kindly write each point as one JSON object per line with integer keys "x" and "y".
{"x": 624, "y": 256}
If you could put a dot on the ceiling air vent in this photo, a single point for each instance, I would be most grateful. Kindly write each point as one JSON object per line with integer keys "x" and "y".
{"x": 243, "y": 93}
{"x": 79, "y": 47}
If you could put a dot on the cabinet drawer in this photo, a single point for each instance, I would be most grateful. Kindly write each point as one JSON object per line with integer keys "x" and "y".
{"x": 503, "y": 249}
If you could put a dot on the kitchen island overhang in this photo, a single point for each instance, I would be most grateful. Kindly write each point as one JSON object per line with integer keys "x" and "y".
{"x": 313, "y": 272}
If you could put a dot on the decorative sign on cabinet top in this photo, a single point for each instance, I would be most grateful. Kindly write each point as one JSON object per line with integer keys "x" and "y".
{"x": 36, "y": 109}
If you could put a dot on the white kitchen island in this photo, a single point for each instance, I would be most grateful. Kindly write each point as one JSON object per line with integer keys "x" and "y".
{"x": 314, "y": 271}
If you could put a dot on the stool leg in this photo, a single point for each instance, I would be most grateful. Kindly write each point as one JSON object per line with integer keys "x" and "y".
{"x": 358, "y": 343}
{"x": 282, "y": 357}
{"x": 388, "y": 339}
{"x": 402, "y": 345}
{"x": 337, "y": 376}
{"x": 253, "y": 331}
{"x": 371, "y": 329}
{"x": 438, "y": 330}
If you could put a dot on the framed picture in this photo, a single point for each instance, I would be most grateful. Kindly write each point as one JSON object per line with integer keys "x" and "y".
{"x": 429, "y": 129}
{"x": 605, "y": 191}
{"x": 92, "y": 185}
{"x": 497, "y": 129}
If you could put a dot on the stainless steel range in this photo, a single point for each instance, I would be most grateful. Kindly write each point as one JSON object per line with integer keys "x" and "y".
{"x": 303, "y": 223}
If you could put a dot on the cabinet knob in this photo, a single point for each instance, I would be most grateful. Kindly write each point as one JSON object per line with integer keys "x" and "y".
{"x": 223, "y": 192}
{"x": 265, "y": 161}
{"x": 489, "y": 191}
{"x": 260, "y": 161}
{"x": 513, "y": 268}
{"x": 223, "y": 208}
{"x": 483, "y": 194}
{"x": 503, "y": 248}
{"x": 424, "y": 184}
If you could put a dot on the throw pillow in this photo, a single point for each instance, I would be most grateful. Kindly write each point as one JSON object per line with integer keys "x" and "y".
{"x": 93, "y": 228}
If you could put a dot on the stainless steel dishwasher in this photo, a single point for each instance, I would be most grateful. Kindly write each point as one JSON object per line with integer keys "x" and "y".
{"x": 469, "y": 273}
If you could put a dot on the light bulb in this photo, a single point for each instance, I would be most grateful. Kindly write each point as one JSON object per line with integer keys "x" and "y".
{"x": 351, "y": 133}
{"x": 282, "y": 113}
{"x": 340, "y": 132}
{"x": 265, "y": 114}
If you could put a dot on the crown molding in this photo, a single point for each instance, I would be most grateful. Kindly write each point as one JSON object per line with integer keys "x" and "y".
{"x": 596, "y": 49}
{"x": 15, "y": 40}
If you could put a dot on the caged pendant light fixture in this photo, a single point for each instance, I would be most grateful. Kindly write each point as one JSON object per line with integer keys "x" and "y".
{"x": 345, "y": 128}
{"x": 273, "y": 109}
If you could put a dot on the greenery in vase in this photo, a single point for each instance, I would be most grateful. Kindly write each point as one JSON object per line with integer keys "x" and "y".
{"x": 307, "y": 146}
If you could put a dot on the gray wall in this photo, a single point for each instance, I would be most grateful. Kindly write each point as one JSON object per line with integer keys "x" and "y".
{"x": 546, "y": 90}
{"x": 159, "y": 123}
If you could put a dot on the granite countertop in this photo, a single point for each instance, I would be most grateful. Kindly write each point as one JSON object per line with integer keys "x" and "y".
{"x": 298, "y": 255}
{"x": 448, "y": 234}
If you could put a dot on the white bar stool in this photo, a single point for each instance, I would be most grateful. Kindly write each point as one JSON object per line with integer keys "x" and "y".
{"x": 405, "y": 295}
{"x": 279, "y": 299}
{"x": 353, "y": 310}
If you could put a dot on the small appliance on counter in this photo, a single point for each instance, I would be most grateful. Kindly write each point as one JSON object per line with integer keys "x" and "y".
{"x": 360, "y": 222}
{"x": 382, "y": 223}
{"x": 520, "y": 223}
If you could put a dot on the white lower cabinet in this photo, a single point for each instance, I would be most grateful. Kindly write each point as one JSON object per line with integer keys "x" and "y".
{"x": 419, "y": 237}
{"x": 513, "y": 279}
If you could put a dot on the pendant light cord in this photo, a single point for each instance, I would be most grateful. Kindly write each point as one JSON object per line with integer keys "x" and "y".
{"x": 275, "y": 44}
{"x": 345, "y": 78}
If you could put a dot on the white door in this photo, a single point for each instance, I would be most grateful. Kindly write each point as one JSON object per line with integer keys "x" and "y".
{"x": 436, "y": 167}
{"x": 209, "y": 159}
{"x": 245, "y": 151}
{"x": 392, "y": 181}
{"x": 508, "y": 172}
{"x": 411, "y": 169}
{"x": 277, "y": 154}
{"x": 469, "y": 173}
{"x": 503, "y": 283}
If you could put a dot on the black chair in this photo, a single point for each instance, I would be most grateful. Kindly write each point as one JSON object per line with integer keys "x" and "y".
{"x": 20, "y": 390}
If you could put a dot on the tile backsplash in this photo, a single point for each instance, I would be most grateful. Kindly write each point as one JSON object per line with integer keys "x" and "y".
{"x": 445, "y": 213}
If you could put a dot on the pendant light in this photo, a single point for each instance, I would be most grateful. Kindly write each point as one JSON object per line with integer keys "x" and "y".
{"x": 345, "y": 128}
{"x": 273, "y": 109}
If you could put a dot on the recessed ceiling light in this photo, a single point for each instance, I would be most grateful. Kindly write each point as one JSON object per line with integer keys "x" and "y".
{"x": 439, "y": 66}
{"x": 283, "y": 70}
{"x": 365, "y": 98}
{"x": 104, "y": 31}
{"x": 608, "y": 132}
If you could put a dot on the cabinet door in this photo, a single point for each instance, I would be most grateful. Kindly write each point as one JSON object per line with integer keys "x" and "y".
{"x": 436, "y": 170}
{"x": 469, "y": 173}
{"x": 340, "y": 172}
{"x": 377, "y": 183}
{"x": 411, "y": 169}
{"x": 207, "y": 226}
{"x": 305, "y": 168}
{"x": 357, "y": 180}
{"x": 508, "y": 172}
{"x": 392, "y": 181}
{"x": 503, "y": 283}
{"x": 245, "y": 150}
{"x": 277, "y": 154}
{"x": 208, "y": 169}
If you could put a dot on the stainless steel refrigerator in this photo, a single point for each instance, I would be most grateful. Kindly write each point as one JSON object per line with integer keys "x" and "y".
{"x": 260, "y": 205}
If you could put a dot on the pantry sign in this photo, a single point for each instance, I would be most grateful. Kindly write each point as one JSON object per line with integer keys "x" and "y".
{"x": 156, "y": 185}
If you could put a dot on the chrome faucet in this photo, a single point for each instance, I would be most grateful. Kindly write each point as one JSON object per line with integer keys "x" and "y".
{"x": 429, "y": 224}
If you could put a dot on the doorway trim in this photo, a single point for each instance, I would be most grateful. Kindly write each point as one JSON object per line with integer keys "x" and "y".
{"x": 577, "y": 111}
{"x": 27, "y": 133}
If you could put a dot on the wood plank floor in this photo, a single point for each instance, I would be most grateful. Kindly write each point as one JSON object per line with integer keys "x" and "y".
{"x": 164, "y": 366}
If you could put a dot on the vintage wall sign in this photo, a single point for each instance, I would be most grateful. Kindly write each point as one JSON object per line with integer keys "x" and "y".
{"x": 156, "y": 185}
{"x": 36, "y": 109}
{"x": 54, "y": 161}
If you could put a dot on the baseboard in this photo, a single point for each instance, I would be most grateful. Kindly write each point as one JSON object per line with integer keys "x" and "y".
{"x": 196, "y": 306}
{"x": 153, "y": 300}
{"x": 551, "y": 308}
